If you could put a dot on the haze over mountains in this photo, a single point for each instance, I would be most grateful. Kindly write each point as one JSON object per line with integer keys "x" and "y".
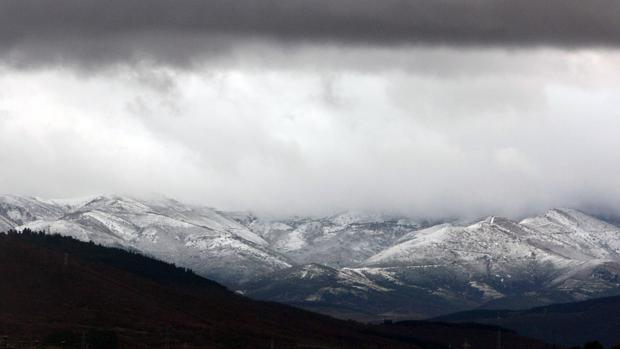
{"x": 352, "y": 265}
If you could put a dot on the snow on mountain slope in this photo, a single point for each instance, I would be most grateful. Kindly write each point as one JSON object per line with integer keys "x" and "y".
{"x": 17, "y": 210}
{"x": 314, "y": 283}
{"x": 343, "y": 240}
{"x": 559, "y": 237}
{"x": 194, "y": 237}
{"x": 495, "y": 239}
{"x": 563, "y": 250}
{"x": 575, "y": 235}
{"x": 195, "y": 215}
{"x": 563, "y": 255}
{"x": 359, "y": 293}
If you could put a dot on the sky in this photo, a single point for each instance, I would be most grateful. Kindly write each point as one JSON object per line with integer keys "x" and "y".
{"x": 430, "y": 108}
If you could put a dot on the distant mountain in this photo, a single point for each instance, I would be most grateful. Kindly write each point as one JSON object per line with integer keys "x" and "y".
{"x": 367, "y": 294}
{"x": 567, "y": 324}
{"x": 564, "y": 255}
{"x": 343, "y": 240}
{"x": 229, "y": 247}
{"x": 562, "y": 251}
{"x": 17, "y": 210}
{"x": 63, "y": 292}
{"x": 363, "y": 265}
{"x": 194, "y": 237}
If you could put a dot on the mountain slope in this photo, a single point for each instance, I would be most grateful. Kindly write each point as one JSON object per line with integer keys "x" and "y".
{"x": 343, "y": 240}
{"x": 562, "y": 256}
{"x": 194, "y": 237}
{"x": 17, "y": 210}
{"x": 367, "y": 294}
{"x": 563, "y": 251}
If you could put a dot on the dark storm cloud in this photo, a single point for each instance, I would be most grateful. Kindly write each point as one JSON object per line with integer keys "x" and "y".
{"x": 173, "y": 31}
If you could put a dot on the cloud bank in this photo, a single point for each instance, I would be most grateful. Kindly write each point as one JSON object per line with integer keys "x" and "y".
{"x": 508, "y": 133}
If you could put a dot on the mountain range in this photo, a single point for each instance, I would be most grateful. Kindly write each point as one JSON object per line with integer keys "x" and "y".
{"x": 352, "y": 265}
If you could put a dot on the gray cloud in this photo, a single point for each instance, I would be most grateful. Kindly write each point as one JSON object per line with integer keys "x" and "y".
{"x": 92, "y": 32}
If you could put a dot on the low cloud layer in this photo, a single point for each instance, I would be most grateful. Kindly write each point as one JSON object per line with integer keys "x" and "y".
{"x": 463, "y": 132}
{"x": 95, "y": 32}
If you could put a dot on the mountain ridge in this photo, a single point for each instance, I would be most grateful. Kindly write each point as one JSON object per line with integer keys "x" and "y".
{"x": 372, "y": 264}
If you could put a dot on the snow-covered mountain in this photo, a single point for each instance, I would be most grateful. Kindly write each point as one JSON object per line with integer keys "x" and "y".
{"x": 354, "y": 264}
{"x": 562, "y": 255}
{"x": 342, "y": 240}
{"x": 562, "y": 250}
{"x": 194, "y": 237}
{"x": 17, "y": 210}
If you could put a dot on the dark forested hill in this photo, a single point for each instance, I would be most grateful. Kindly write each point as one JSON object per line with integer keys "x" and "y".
{"x": 53, "y": 284}
{"x": 566, "y": 324}
{"x": 55, "y": 289}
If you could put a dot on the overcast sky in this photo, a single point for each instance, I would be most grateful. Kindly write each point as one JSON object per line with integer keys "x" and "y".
{"x": 429, "y": 108}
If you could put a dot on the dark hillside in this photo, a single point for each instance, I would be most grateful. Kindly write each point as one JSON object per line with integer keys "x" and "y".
{"x": 566, "y": 324}
{"x": 55, "y": 289}
{"x": 52, "y": 284}
{"x": 451, "y": 335}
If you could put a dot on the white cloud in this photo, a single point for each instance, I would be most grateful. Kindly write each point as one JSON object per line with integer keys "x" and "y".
{"x": 425, "y": 131}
